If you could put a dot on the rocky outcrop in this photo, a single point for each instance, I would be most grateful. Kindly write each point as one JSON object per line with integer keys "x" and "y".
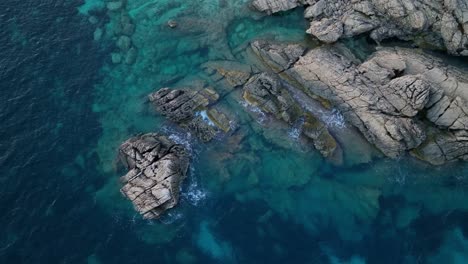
{"x": 274, "y": 6}
{"x": 235, "y": 74}
{"x": 266, "y": 91}
{"x": 156, "y": 168}
{"x": 318, "y": 132}
{"x": 435, "y": 23}
{"x": 280, "y": 57}
{"x": 192, "y": 109}
{"x": 400, "y": 99}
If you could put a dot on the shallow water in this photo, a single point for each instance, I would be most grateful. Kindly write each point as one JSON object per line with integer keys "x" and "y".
{"x": 261, "y": 195}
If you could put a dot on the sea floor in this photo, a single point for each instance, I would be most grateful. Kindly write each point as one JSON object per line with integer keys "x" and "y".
{"x": 72, "y": 94}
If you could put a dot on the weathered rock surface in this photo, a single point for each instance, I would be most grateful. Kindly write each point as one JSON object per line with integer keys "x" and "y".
{"x": 323, "y": 141}
{"x": 266, "y": 91}
{"x": 436, "y": 23}
{"x": 192, "y": 109}
{"x": 400, "y": 99}
{"x": 274, "y": 6}
{"x": 280, "y": 57}
{"x": 156, "y": 168}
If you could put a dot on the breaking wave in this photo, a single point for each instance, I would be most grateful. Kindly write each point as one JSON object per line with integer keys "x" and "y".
{"x": 262, "y": 117}
{"x": 205, "y": 117}
{"x": 296, "y": 130}
{"x": 171, "y": 217}
{"x": 194, "y": 194}
{"x": 334, "y": 119}
{"x": 180, "y": 137}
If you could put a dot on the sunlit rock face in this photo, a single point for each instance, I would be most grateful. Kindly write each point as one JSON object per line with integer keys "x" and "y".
{"x": 430, "y": 23}
{"x": 157, "y": 166}
{"x": 400, "y": 99}
{"x": 193, "y": 110}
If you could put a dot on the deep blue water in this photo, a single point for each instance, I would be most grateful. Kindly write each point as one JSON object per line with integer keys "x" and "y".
{"x": 51, "y": 177}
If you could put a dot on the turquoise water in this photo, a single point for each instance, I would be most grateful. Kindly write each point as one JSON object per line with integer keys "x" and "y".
{"x": 259, "y": 195}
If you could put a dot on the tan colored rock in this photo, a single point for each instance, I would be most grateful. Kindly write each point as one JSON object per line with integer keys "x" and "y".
{"x": 267, "y": 92}
{"x": 157, "y": 166}
{"x": 432, "y": 23}
{"x": 393, "y": 98}
{"x": 326, "y": 30}
{"x": 274, "y": 6}
{"x": 190, "y": 108}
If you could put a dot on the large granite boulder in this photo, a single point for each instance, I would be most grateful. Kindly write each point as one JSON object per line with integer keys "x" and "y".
{"x": 400, "y": 99}
{"x": 156, "y": 168}
{"x": 192, "y": 109}
{"x": 435, "y": 23}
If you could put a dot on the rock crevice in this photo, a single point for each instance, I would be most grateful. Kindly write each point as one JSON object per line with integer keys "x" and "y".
{"x": 400, "y": 99}
{"x": 156, "y": 168}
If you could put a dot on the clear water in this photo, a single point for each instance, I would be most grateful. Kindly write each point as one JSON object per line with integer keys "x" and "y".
{"x": 259, "y": 196}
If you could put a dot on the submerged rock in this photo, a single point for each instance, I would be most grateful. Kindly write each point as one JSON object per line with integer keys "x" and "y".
{"x": 192, "y": 109}
{"x": 172, "y": 23}
{"x": 235, "y": 74}
{"x": 395, "y": 98}
{"x": 131, "y": 56}
{"x": 124, "y": 43}
{"x": 157, "y": 166}
{"x": 116, "y": 58}
{"x": 115, "y": 5}
{"x": 434, "y": 23}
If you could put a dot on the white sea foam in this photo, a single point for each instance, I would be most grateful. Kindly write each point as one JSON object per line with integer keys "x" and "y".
{"x": 261, "y": 115}
{"x": 400, "y": 176}
{"x": 194, "y": 194}
{"x": 171, "y": 217}
{"x": 333, "y": 119}
{"x": 205, "y": 117}
{"x": 295, "y": 131}
{"x": 181, "y": 138}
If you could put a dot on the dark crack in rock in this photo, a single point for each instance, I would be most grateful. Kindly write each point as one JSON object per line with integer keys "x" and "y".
{"x": 192, "y": 109}
{"x": 157, "y": 166}
{"x": 400, "y": 99}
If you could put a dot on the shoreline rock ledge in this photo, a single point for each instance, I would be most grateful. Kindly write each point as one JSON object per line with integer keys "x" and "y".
{"x": 157, "y": 166}
{"x": 438, "y": 24}
{"x": 400, "y": 99}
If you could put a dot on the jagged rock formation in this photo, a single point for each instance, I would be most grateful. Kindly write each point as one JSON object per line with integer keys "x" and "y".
{"x": 192, "y": 109}
{"x": 267, "y": 92}
{"x": 280, "y": 57}
{"x": 157, "y": 166}
{"x": 436, "y": 23}
{"x": 400, "y": 99}
{"x": 273, "y": 6}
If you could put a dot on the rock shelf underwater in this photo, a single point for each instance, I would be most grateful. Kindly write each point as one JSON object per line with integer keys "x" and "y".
{"x": 258, "y": 191}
